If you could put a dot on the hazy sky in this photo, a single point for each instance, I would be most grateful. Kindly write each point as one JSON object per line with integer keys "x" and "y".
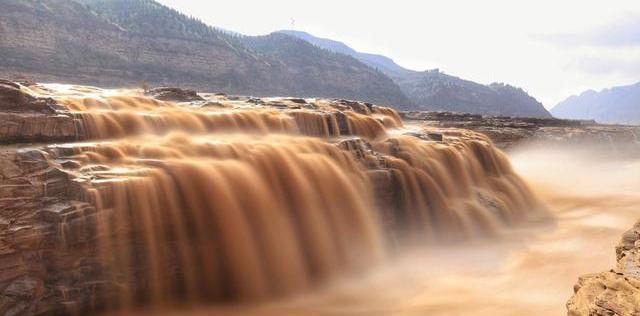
{"x": 552, "y": 48}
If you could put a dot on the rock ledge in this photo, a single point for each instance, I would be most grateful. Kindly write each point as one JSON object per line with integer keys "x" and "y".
{"x": 615, "y": 292}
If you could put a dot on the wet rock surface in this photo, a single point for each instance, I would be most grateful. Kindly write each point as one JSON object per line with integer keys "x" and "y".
{"x": 36, "y": 127}
{"x": 31, "y": 260}
{"x": 27, "y": 118}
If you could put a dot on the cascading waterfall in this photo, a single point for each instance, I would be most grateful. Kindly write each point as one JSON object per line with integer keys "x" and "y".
{"x": 236, "y": 219}
{"x": 442, "y": 187}
{"x": 117, "y": 116}
{"x": 221, "y": 201}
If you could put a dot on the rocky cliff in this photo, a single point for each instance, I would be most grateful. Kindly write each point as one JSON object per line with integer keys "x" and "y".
{"x": 615, "y": 292}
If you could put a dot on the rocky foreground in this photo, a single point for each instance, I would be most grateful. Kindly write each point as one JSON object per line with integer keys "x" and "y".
{"x": 615, "y": 292}
{"x": 48, "y": 208}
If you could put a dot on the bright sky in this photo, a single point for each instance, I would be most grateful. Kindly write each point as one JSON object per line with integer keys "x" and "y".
{"x": 550, "y": 48}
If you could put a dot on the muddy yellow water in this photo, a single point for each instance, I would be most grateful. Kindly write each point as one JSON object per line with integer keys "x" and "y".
{"x": 528, "y": 271}
{"x": 235, "y": 204}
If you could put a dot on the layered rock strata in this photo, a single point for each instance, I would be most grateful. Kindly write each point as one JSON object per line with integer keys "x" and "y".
{"x": 615, "y": 292}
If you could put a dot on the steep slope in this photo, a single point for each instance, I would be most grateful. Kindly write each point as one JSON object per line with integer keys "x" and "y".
{"x": 380, "y": 62}
{"x": 124, "y": 42}
{"x": 62, "y": 40}
{"x": 310, "y": 69}
{"x": 435, "y": 90}
{"x": 152, "y": 19}
{"x": 514, "y": 99}
{"x": 616, "y": 105}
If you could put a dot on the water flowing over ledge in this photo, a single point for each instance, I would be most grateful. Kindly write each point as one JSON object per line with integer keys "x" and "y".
{"x": 129, "y": 201}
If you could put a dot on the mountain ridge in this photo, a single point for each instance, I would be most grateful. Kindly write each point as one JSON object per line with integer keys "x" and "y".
{"x": 383, "y": 63}
{"x": 435, "y": 90}
{"x": 616, "y": 105}
{"x": 123, "y": 42}
{"x": 113, "y": 43}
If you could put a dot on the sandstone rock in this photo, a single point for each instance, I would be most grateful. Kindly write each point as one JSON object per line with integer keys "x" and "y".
{"x": 343, "y": 123}
{"x": 297, "y": 100}
{"x": 8, "y": 169}
{"x": 174, "y": 94}
{"x": 356, "y": 106}
{"x": 12, "y": 98}
{"x": 628, "y": 241}
{"x": 34, "y": 203}
{"x": 4, "y": 224}
{"x": 358, "y": 147}
{"x": 6, "y": 304}
{"x": 615, "y": 292}
{"x": 25, "y": 287}
{"x": 38, "y": 127}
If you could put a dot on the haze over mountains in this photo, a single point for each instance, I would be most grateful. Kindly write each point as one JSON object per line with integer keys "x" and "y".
{"x": 435, "y": 90}
{"x": 124, "y": 42}
{"x": 619, "y": 105}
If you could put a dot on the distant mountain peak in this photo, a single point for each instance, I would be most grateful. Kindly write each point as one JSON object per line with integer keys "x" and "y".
{"x": 380, "y": 62}
{"x": 619, "y": 105}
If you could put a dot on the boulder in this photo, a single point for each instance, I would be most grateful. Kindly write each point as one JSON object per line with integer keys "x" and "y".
{"x": 14, "y": 99}
{"x": 173, "y": 94}
{"x": 616, "y": 291}
{"x": 11, "y": 96}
